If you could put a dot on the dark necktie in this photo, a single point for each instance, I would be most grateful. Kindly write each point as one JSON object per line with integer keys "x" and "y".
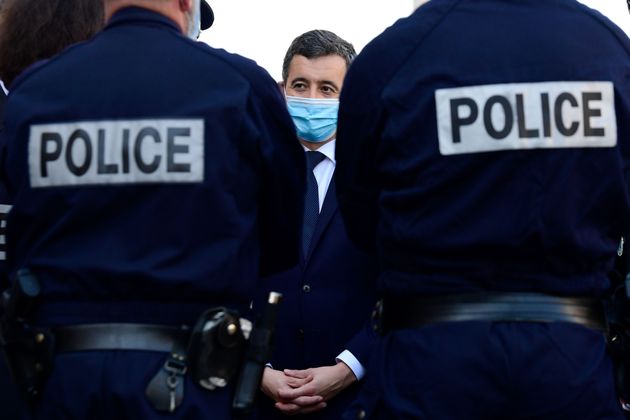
{"x": 311, "y": 200}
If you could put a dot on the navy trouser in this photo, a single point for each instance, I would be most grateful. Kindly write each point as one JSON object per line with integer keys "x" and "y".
{"x": 111, "y": 385}
{"x": 490, "y": 370}
{"x": 11, "y": 404}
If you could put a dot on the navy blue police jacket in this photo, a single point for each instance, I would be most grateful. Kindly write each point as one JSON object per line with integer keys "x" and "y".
{"x": 9, "y": 395}
{"x": 150, "y": 173}
{"x": 3, "y": 209}
{"x": 328, "y": 301}
{"x": 489, "y": 156}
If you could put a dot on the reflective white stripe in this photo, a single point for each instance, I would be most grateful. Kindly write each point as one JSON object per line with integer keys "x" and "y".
{"x": 523, "y": 116}
{"x": 4, "y": 210}
{"x": 116, "y": 152}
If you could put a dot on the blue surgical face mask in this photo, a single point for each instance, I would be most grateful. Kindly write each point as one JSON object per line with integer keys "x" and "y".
{"x": 315, "y": 119}
{"x": 194, "y": 20}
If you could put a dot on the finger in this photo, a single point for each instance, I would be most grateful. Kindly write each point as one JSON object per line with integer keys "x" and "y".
{"x": 313, "y": 408}
{"x": 291, "y": 394}
{"x": 306, "y": 401}
{"x": 296, "y": 383}
{"x": 300, "y": 374}
{"x": 288, "y": 409}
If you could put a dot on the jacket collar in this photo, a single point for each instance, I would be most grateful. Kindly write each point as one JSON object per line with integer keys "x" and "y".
{"x": 139, "y": 15}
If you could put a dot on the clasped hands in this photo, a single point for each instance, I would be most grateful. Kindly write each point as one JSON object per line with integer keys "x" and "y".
{"x": 305, "y": 391}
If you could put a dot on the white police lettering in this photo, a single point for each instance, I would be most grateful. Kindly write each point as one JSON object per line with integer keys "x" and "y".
{"x": 116, "y": 152}
{"x": 4, "y": 212}
{"x": 518, "y": 116}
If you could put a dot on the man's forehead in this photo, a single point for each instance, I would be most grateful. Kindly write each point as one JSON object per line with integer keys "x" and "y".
{"x": 328, "y": 67}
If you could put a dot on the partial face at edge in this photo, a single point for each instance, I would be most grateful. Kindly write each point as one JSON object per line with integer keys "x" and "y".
{"x": 193, "y": 20}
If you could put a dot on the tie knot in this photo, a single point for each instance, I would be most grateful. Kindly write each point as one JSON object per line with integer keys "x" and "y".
{"x": 313, "y": 159}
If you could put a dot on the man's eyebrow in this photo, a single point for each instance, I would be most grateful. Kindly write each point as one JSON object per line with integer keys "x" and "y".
{"x": 299, "y": 79}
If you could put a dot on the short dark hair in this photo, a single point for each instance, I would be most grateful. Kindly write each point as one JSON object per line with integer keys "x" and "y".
{"x": 317, "y": 43}
{"x": 32, "y": 30}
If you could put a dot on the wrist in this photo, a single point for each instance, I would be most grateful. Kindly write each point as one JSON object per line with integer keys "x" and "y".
{"x": 265, "y": 380}
{"x": 346, "y": 373}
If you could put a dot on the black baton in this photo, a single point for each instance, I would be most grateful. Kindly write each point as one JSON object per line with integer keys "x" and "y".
{"x": 258, "y": 354}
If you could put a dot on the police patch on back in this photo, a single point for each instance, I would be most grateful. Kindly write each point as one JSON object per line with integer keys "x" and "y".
{"x": 116, "y": 152}
{"x": 519, "y": 116}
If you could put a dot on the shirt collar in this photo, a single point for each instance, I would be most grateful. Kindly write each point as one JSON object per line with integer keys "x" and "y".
{"x": 327, "y": 149}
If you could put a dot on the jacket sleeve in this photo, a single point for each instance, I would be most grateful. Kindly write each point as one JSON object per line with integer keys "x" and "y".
{"x": 362, "y": 343}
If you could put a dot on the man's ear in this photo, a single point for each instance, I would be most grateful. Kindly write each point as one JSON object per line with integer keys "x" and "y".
{"x": 281, "y": 87}
{"x": 185, "y": 5}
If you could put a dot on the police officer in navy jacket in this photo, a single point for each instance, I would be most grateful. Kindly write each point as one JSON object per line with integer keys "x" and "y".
{"x": 152, "y": 177}
{"x": 323, "y": 338}
{"x": 483, "y": 155}
{"x": 4, "y": 208}
{"x": 9, "y": 398}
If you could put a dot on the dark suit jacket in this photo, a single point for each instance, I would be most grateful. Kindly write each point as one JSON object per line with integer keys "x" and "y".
{"x": 328, "y": 300}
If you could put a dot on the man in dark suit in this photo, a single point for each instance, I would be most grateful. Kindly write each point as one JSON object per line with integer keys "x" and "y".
{"x": 323, "y": 336}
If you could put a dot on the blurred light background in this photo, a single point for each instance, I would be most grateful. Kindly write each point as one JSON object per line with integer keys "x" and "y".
{"x": 263, "y": 29}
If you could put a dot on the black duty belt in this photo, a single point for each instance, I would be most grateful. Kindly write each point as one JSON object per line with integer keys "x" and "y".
{"x": 415, "y": 312}
{"x": 144, "y": 337}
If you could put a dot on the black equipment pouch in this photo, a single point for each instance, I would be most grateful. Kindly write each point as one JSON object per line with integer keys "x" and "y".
{"x": 217, "y": 346}
{"x": 618, "y": 320}
{"x": 166, "y": 389}
{"x": 617, "y": 310}
{"x": 28, "y": 350}
{"x": 213, "y": 357}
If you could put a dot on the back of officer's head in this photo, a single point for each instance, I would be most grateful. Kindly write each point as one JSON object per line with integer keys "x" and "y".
{"x": 317, "y": 43}
{"x": 31, "y": 30}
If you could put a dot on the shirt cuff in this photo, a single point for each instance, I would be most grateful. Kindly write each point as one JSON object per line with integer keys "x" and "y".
{"x": 353, "y": 363}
